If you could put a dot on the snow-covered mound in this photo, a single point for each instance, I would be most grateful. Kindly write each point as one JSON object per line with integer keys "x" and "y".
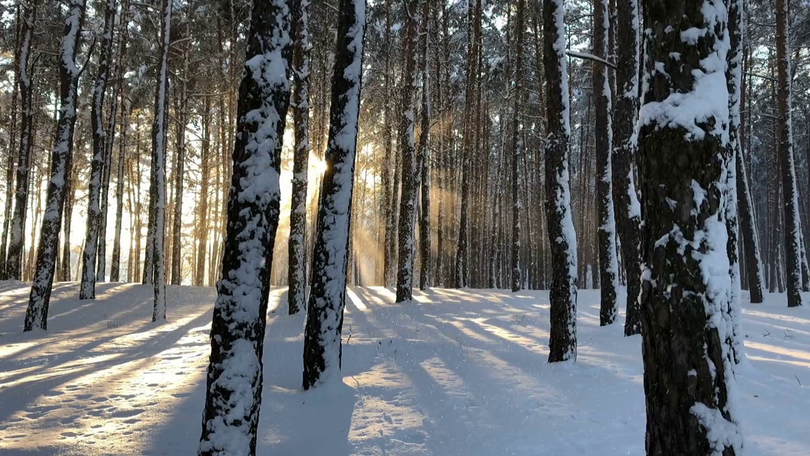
{"x": 454, "y": 373}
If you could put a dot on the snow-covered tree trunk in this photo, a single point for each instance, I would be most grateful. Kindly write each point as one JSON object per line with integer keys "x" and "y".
{"x": 87, "y": 288}
{"x": 517, "y": 146}
{"x": 733, "y": 148}
{"x": 425, "y": 252}
{"x": 787, "y": 162}
{"x": 24, "y": 69}
{"x": 297, "y": 279}
{"x": 628, "y": 217}
{"x": 410, "y": 166}
{"x": 234, "y": 387}
{"x": 606, "y": 233}
{"x": 36, "y": 315}
{"x": 683, "y": 132}
{"x": 751, "y": 250}
{"x": 561, "y": 234}
{"x": 322, "y": 347}
{"x": 158, "y": 175}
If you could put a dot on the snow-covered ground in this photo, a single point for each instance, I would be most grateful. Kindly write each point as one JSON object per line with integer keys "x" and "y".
{"x": 455, "y": 373}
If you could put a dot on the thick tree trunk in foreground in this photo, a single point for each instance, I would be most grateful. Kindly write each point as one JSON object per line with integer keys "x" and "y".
{"x": 606, "y": 233}
{"x": 410, "y": 166}
{"x": 24, "y": 69}
{"x": 628, "y": 216}
{"x": 688, "y": 376}
{"x": 297, "y": 278}
{"x": 234, "y": 387}
{"x": 37, "y": 314}
{"x": 87, "y": 289}
{"x": 561, "y": 234}
{"x": 322, "y": 347}
{"x": 786, "y": 158}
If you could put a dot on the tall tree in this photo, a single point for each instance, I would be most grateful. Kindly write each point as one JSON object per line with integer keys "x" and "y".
{"x": 36, "y": 315}
{"x": 24, "y": 67}
{"x": 296, "y": 297}
{"x": 410, "y": 166}
{"x": 787, "y": 162}
{"x": 561, "y": 233}
{"x": 115, "y": 266}
{"x": 688, "y": 375}
{"x": 12, "y": 137}
{"x": 517, "y": 147}
{"x": 603, "y": 100}
{"x": 628, "y": 215}
{"x": 425, "y": 252}
{"x": 322, "y": 346}
{"x": 87, "y": 289}
{"x": 234, "y": 386}
{"x": 157, "y": 196}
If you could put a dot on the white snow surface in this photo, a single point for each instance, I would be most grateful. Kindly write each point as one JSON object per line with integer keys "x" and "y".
{"x": 456, "y": 372}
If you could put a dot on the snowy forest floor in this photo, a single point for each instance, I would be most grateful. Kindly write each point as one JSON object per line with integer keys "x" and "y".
{"x": 454, "y": 373}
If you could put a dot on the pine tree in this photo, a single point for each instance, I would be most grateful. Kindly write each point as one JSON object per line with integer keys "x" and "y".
{"x": 297, "y": 294}
{"x": 688, "y": 376}
{"x": 410, "y": 166}
{"x": 37, "y": 314}
{"x": 425, "y": 253}
{"x": 157, "y": 196}
{"x": 561, "y": 234}
{"x": 787, "y": 161}
{"x": 87, "y": 289}
{"x": 322, "y": 347}
{"x": 517, "y": 154}
{"x": 234, "y": 386}
{"x": 25, "y": 70}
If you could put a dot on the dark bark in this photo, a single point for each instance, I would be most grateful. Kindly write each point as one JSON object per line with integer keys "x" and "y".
{"x": 425, "y": 252}
{"x": 36, "y": 315}
{"x": 563, "y": 291}
{"x": 322, "y": 345}
{"x": 115, "y": 265}
{"x": 517, "y": 149}
{"x": 12, "y": 143}
{"x": 628, "y": 219}
{"x": 234, "y": 389}
{"x": 682, "y": 169}
{"x": 297, "y": 295}
{"x": 202, "y": 208}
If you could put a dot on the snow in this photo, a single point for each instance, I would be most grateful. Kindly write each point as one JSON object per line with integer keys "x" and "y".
{"x": 458, "y": 372}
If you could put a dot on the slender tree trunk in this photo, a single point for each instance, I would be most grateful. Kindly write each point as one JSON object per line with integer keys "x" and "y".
{"x": 87, "y": 289}
{"x": 322, "y": 346}
{"x": 425, "y": 252}
{"x": 12, "y": 144}
{"x": 157, "y": 198}
{"x": 517, "y": 149}
{"x": 789, "y": 193}
{"x": 234, "y": 387}
{"x": 603, "y": 101}
{"x": 297, "y": 295}
{"x": 561, "y": 234}
{"x": 115, "y": 266}
{"x": 628, "y": 217}
{"x": 407, "y": 148}
{"x": 36, "y": 315}
{"x": 688, "y": 374}
{"x": 24, "y": 70}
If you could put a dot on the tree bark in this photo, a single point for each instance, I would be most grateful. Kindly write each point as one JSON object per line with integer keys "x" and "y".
{"x": 322, "y": 346}
{"x": 688, "y": 375}
{"x": 234, "y": 387}
{"x": 36, "y": 315}
{"x": 517, "y": 149}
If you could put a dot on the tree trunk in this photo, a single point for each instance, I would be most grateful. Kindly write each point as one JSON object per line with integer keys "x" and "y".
{"x": 606, "y": 232}
{"x": 322, "y": 347}
{"x": 10, "y": 165}
{"x": 628, "y": 217}
{"x": 115, "y": 266}
{"x": 157, "y": 197}
{"x": 561, "y": 234}
{"x": 36, "y": 315}
{"x": 425, "y": 252}
{"x": 297, "y": 295}
{"x": 202, "y": 209}
{"x": 24, "y": 70}
{"x": 688, "y": 375}
{"x": 789, "y": 193}
{"x": 234, "y": 387}
{"x": 87, "y": 289}
{"x": 407, "y": 149}
{"x": 517, "y": 149}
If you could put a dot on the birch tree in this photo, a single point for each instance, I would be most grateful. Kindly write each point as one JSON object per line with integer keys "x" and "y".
{"x": 234, "y": 384}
